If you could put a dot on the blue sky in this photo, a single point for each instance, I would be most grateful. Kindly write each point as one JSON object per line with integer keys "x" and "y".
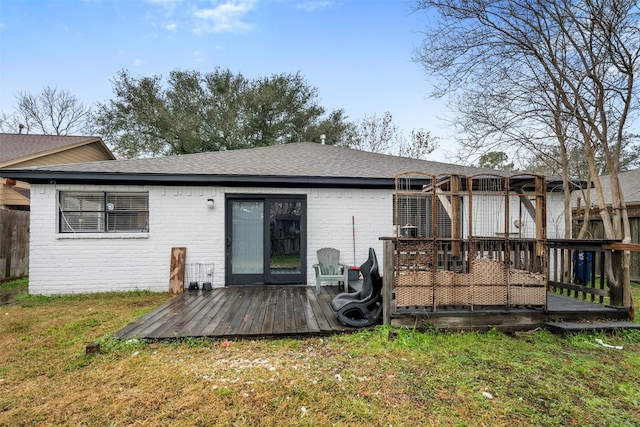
{"x": 357, "y": 53}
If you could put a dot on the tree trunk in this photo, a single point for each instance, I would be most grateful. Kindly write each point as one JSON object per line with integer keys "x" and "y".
{"x": 616, "y": 227}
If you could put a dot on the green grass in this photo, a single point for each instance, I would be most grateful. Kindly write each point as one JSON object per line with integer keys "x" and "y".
{"x": 284, "y": 261}
{"x": 15, "y": 287}
{"x": 364, "y": 378}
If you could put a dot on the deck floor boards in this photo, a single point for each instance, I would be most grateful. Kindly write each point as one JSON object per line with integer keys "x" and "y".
{"x": 260, "y": 314}
{"x": 286, "y": 310}
{"x": 240, "y": 311}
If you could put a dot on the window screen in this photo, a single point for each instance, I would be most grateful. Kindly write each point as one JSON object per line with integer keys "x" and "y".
{"x": 102, "y": 212}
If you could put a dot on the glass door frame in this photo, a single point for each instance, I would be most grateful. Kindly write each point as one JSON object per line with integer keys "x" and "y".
{"x": 266, "y": 277}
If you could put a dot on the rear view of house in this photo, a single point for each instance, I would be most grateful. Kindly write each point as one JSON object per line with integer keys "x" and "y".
{"x": 245, "y": 217}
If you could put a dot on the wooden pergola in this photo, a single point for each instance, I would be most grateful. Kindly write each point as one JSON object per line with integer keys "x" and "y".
{"x": 466, "y": 243}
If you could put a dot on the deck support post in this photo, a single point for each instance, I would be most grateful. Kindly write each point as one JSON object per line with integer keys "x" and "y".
{"x": 388, "y": 277}
{"x": 616, "y": 293}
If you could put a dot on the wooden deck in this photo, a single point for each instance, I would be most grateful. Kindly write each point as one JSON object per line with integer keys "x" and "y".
{"x": 241, "y": 311}
{"x": 272, "y": 311}
{"x": 575, "y": 327}
{"x": 559, "y": 308}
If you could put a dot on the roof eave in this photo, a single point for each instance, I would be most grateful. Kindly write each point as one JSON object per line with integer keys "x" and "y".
{"x": 35, "y": 176}
{"x": 66, "y": 177}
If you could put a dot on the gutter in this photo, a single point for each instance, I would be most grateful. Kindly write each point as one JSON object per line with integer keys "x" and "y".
{"x": 52, "y": 177}
{"x": 39, "y": 176}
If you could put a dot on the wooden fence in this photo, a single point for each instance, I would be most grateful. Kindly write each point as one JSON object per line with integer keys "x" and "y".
{"x": 14, "y": 244}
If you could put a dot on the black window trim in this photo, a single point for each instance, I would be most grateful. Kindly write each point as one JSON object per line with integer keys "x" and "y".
{"x": 105, "y": 211}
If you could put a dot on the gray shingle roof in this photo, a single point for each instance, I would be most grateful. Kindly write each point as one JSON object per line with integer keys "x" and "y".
{"x": 303, "y": 159}
{"x": 630, "y": 183}
{"x": 16, "y": 146}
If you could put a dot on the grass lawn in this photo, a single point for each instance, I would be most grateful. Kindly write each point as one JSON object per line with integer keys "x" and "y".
{"x": 432, "y": 378}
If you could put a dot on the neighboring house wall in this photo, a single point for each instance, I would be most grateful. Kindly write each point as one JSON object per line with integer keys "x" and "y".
{"x": 179, "y": 217}
{"x": 84, "y": 153}
{"x": 13, "y": 194}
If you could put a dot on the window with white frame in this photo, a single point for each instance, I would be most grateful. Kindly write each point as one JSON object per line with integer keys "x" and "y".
{"x": 103, "y": 212}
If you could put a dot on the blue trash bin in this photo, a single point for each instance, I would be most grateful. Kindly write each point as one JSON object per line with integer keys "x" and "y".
{"x": 582, "y": 261}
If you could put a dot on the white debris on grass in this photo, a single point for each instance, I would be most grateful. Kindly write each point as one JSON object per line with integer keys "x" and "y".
{"x": 486, "y": 393}
{"x": 603, "y": 344}
{"x": 338, "y": 377}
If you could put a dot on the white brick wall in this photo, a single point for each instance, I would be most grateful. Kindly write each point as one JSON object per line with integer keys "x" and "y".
{"x": 179, "y": 216}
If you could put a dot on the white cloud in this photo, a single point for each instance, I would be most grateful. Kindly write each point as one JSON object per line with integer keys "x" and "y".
{"x": 138, "y": 62}
{"x": 225, "y": 17}
{"x": 166, "y": 2}
{"x": 311, "y": 5}
{"x": 164, "y": 14}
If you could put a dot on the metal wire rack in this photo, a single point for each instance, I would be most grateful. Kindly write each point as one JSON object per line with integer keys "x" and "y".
{"x": 199, "y": 276}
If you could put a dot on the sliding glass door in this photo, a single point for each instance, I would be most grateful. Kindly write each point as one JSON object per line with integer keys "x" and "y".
{"x": 265, "y": 239}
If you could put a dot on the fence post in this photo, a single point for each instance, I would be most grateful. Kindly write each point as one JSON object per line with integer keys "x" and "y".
{"x": 387, "y": 280}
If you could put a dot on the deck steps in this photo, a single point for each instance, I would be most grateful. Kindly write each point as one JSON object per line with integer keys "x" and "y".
{"x": 575, "y": 327}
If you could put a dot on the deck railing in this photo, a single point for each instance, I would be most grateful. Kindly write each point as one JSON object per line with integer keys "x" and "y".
{"x": 577, "y": 269}
{"x": 429, "y": 275}
{"x": 426, "y": 274}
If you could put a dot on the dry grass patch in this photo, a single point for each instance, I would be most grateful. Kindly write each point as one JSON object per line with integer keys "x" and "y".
{"x": 418, "y": 379}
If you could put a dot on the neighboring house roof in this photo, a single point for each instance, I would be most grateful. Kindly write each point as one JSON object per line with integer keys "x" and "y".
{"x": 16, "y": 149}
{"x": 27, "y": 150}
{"x": 630, "y": 184}
{"x": 24, "y": 192}
{"x": 297, "y": 164}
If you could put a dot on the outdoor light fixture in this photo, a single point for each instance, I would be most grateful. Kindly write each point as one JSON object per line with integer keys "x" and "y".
{"x": 210, "y": 203}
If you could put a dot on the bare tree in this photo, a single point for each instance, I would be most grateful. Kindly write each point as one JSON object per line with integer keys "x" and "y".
{"x": 382, "y": 135}
{"x": 419, "y": 145}
{"x": 51, "y": 112}
{"x": 375, "y": 134}
{"x": 544, "y": 76}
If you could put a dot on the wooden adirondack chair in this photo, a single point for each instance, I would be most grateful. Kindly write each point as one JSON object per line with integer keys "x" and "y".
{"x": 329, "y": 269}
